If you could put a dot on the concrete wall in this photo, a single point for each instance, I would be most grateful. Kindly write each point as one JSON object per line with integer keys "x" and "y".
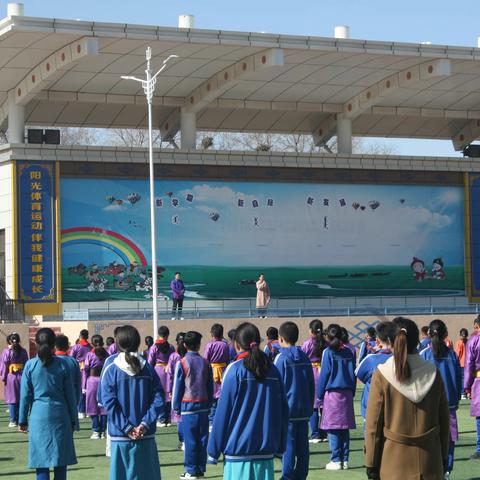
{"x": 6, "y": 222}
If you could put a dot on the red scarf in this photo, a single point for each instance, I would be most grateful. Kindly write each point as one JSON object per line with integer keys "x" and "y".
{"x": 160, "y": 341}
{"x": 242, "y": 355}
{"x": 83, "y": 343}
{"x": 61, "y": 354}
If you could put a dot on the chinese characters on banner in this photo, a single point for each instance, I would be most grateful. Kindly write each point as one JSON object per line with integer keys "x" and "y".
{"x": 36, "y": 231}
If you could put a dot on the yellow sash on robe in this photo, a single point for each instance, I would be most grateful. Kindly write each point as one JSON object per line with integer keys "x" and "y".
{"x": 15, "y": 367}
{"x": 317, "y": 365}
{"x": 162, "y": 364}
{"x": 218, "y": 371}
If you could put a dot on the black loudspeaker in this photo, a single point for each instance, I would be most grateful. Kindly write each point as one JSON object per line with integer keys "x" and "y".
{"x": 52, "y": 137}
{"x": 472, "y": 151}
{"x": 35, "y": 135}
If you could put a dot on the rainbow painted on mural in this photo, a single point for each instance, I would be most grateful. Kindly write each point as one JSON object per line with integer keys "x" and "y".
{"x": 122, "y": 246}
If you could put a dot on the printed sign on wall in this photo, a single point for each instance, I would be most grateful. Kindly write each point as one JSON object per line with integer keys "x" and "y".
{"x": 36, "y": 231}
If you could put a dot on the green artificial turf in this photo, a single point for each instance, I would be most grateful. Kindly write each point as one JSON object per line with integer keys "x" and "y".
{"x": 93, "y": 465}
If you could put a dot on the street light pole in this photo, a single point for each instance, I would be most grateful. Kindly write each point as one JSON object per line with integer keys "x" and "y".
{"x": 148, "y": 86}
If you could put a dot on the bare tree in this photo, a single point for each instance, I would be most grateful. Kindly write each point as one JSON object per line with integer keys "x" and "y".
{"x": 130, "y": 137}
{"x": 79, "y": 136}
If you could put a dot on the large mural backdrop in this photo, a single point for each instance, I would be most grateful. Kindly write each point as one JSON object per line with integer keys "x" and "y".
{"x": 310, "y": 240}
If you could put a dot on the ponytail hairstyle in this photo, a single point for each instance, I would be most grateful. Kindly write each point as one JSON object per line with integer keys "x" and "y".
{"x": 316, "y": 328}
{"x": 128, "y": 341}
{"x": 98, "y": 349}
{"x": 45, "y": 340}
{"x": 406, "y": 338}
{"x": 164, "y": 333}
{"x": 345, "y": 337}
{"x": 181, "y": 348}
{"x": 15, "y": 342}
{"x": 247, "y": 336}
{"x": 149, "y": 341}
{"x": 334, "y": 336}
{"x": 437, "y": 330}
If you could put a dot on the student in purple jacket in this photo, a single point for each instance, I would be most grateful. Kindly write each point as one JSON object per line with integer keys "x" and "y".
{"x": 178, "y": 293}
{"x": 14, "y": 358}
{"x": 217, "y": 354}
{"x": 79, "y": 352}
{"x": 94, "y": 362}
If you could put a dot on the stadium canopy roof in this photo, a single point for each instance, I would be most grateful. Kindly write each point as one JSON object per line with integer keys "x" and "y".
{"x": 67, "y": 73}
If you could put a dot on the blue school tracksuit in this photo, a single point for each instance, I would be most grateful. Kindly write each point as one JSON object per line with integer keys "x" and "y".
{"x": 131, "y": 400}
{"x": 251, "y": 423}
{"x": 297, "y": 375}
{"x": 424, "y": 343}
{"x": 365, "y": 371}
{"x": 449, "y": 367}
{"x": 192, "y": 397}
{"x": 272, "y": 349}
{"x": 366, "y": 348}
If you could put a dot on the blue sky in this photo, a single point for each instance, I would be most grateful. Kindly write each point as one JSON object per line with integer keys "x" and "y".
{"x": 426, "y": 222}
{"x": 440, "y": 22}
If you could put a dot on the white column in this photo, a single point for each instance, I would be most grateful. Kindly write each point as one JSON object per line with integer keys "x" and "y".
{"x": 188, "y": 129}
{"x": 342, "y": 31}
{"x": 344, "y": 135}
{"x": 16, "y": 120}
{"x": 186, "y": 21}
{"x": 15, "y": 10}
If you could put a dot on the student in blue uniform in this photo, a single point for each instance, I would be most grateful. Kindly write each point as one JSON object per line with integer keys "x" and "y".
{"x": 369, "y": 365}
{"x": 48, "y": 410}
{"x": 336, "y": 388}
{"x": 192, "y": 398}
{"x": 273, "y": 345}
{"x": 251, "y": 422}
{"x": 368, "y": 345}
{"x": 133, "y": 397}
{"x": 425, "y": 339}
{"x": 446, "y": 361}
{"x": 296, "y": 373}
{"x": 61, "y": 350}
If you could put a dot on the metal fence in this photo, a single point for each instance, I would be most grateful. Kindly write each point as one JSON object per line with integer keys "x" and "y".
{"x": 11, "y": 311}
{"x": 283, "y": 307}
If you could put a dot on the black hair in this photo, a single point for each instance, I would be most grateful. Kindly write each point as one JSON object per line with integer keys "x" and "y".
{"x": 15, "y": 342}
{"x": 115, "y": 330}
{"x": 217, "y": 330}
{"x": 345, "y": 337}
{"x": 247, "y": 336}
{"x": 406, "y": 338}
{"x": 181, "y": 349}
{"x": 334, "y": 336}
{"x": 109, "y": 341}
{"x": 61, "y": 343}
{"x": 98, "y": 349}
{"x": 231, "y": 334}
{"x": 477, "y": 321}
{"x": 192, "y": 340}
{"x": 149, "y": 341}
{"x": 385, "y": 332}
{"x": 437, "y": 331}
{"x": 83, "y": 334}
{"x": 425, "y": 330}
{"x": 464, "y": 335}
{"x": 289, "y": 332}
{"x": 177, "y": 273}
{"x": 45, "y": 340}
{"x": 272, "y": 333}
{"x": 316, "y": 327}
{"x": 164, "y": 332}
{"x": 371, "y": 332}
{"x": 128, "y": 341}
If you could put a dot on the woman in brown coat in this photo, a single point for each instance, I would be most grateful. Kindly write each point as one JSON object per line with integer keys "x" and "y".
{"x": 263, "y": 296}
{"x": 407, "y": 424}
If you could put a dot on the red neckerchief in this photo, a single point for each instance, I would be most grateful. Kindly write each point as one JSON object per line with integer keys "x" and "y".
{"x": 242, "y": 355}
{"x": 159, "y": 341}
{"x": 83, "y": 343}
{"x": 61, "y": 354}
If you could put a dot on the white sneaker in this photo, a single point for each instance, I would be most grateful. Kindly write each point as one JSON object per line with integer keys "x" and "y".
{"x": 81, "y": 416}
{"x": 188, "y": 476}
{"x": 183, "y": 447}
{"x": 12, "y": 425}
{"x": 345, "y": 465}
{"x": 95, "y": 436}
{"x": 210, "y": 428}
{"x": 315, "y": 440}
{"x": 161, "y": 425}
{"x": 446, "y": 476}
{"x": 181, "y": 318}
{"x": 333, "y": 466}
{"x": 173, "y": 318}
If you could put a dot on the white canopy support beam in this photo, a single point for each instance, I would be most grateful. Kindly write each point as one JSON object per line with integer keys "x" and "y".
{"x": 468, "y": 134}
{"x": 48, "y": 71}
{"x": 222, "y": 81}
{"x": 170, "y": 126}
{"x": 325, "y": 131}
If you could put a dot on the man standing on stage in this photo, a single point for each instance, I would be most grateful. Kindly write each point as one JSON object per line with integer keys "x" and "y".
{"x": 178, "y": 293}
{"x": 472, "y": 379}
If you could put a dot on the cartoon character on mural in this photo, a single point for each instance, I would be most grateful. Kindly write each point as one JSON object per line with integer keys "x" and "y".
{"x": 418, "y": 268}
{"x": 144, "y": 284}
{"x": 96, "y": 281}
{"x": 438, "y": 272}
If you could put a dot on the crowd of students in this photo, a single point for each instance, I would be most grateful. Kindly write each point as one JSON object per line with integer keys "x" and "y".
{"x": 246, "y": 404}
